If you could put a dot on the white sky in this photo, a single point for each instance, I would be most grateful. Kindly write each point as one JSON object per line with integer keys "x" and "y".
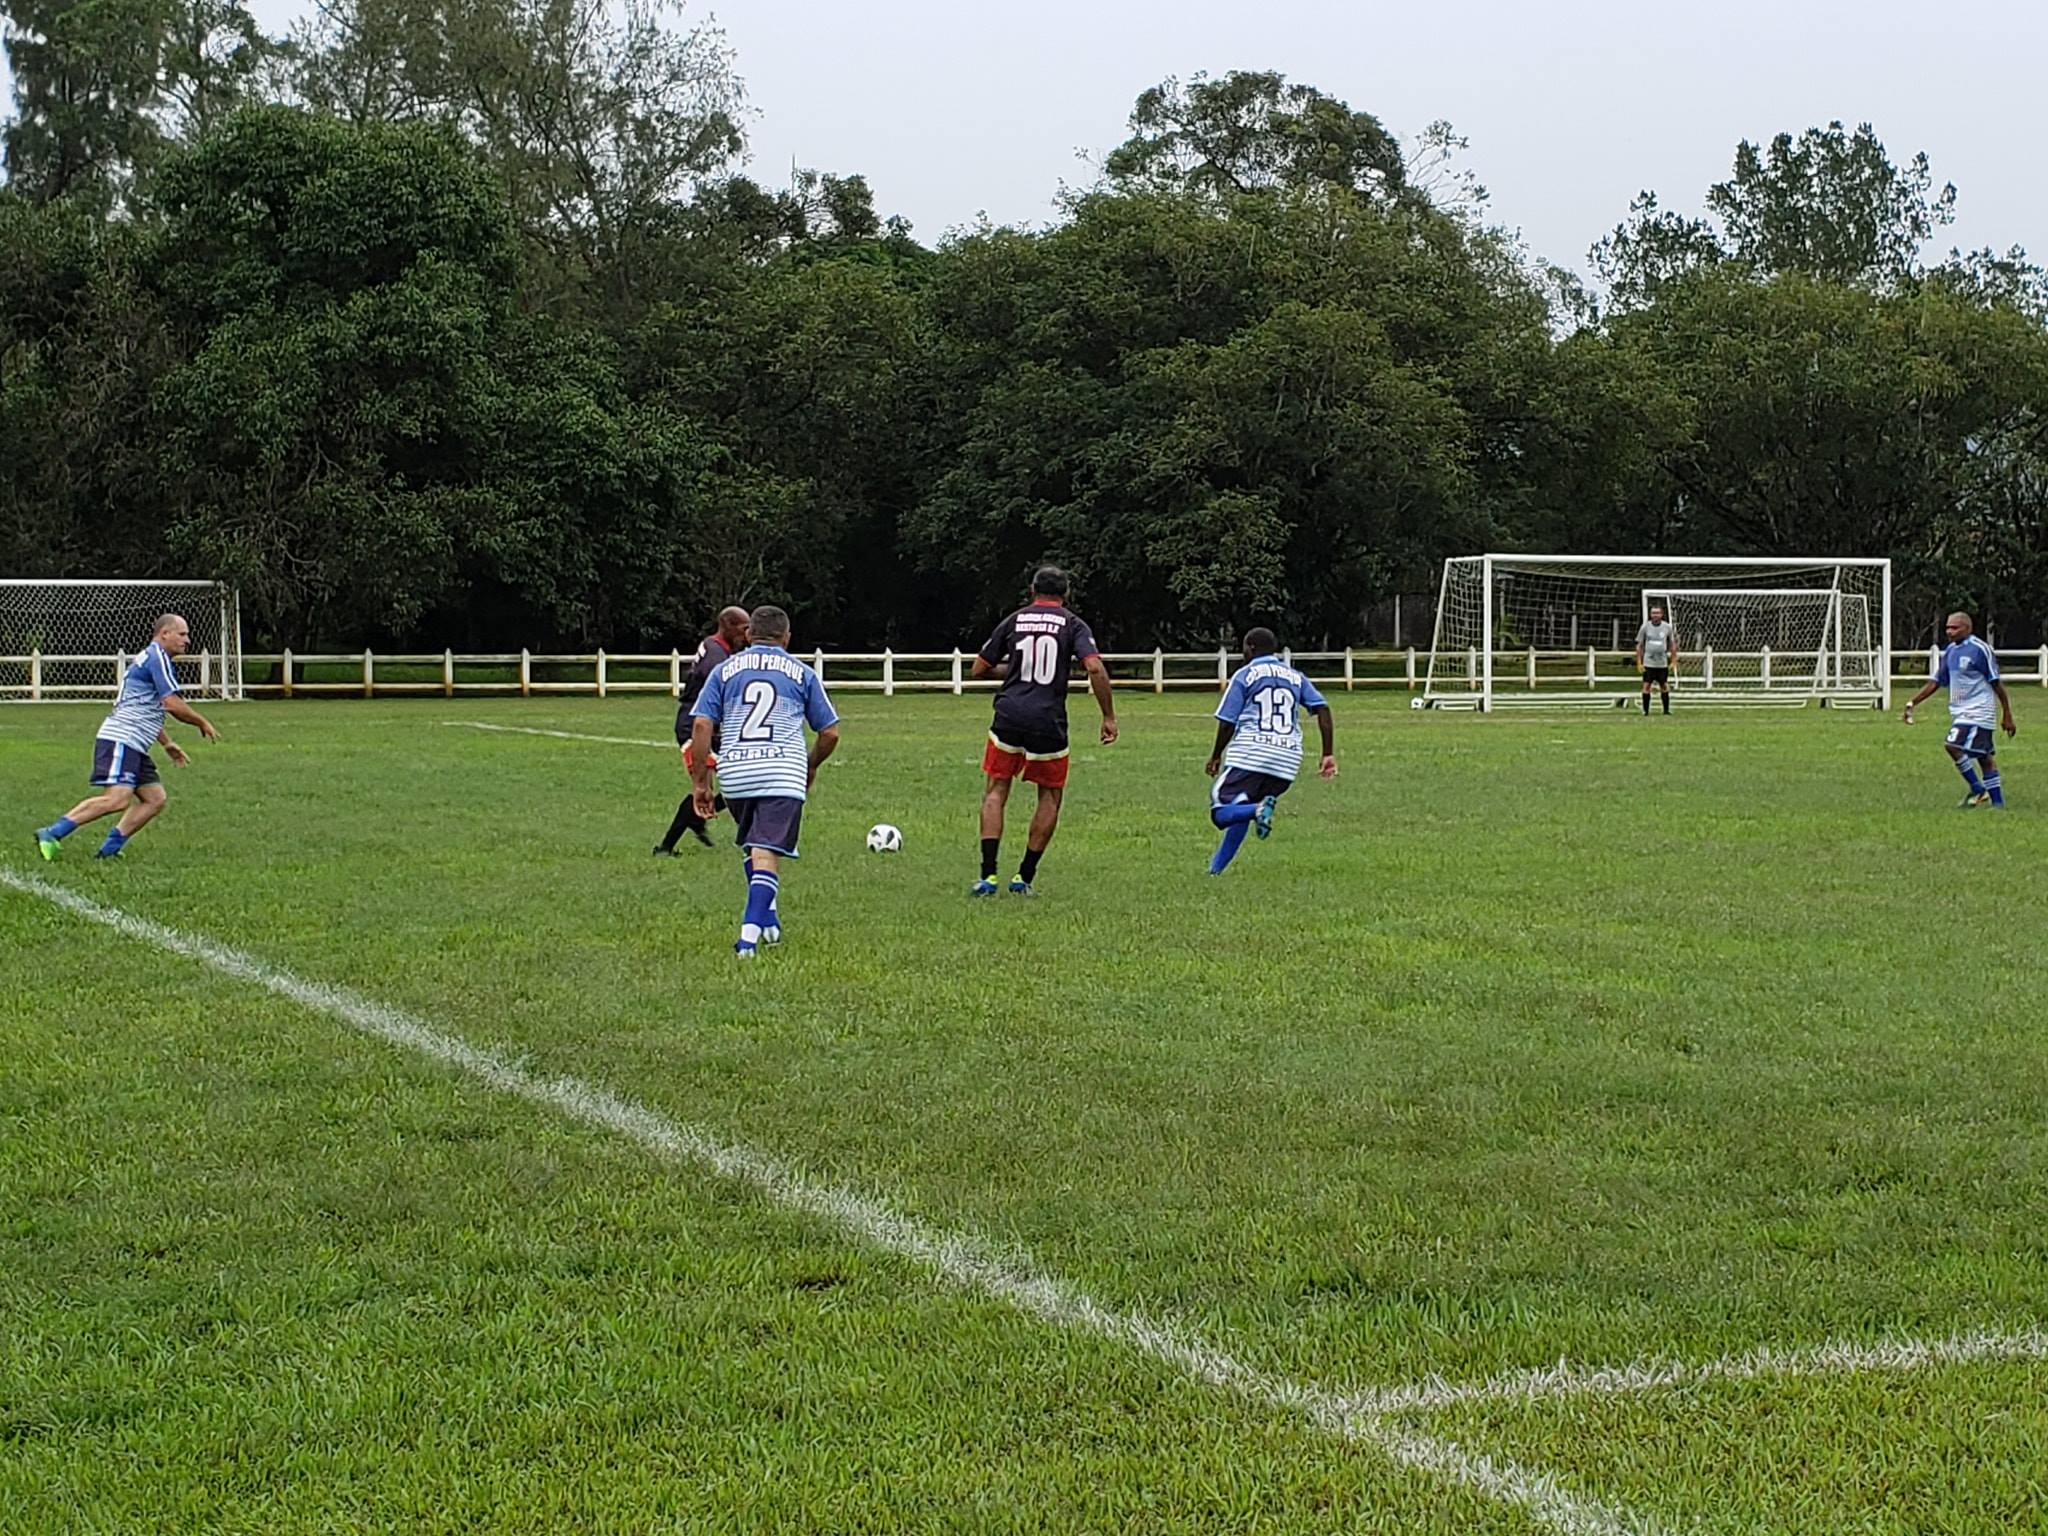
{"x": 954, "y": 108}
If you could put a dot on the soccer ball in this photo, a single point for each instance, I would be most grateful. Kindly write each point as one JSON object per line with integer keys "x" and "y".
{"x": 1415, "y": 702}
{"x": 884, "y": 839}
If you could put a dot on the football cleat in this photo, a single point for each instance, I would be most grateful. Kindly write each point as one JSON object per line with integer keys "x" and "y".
{"x": 743, "y": 951}
{"x": 771, "y": 935}
{"x": 983, "y": 888}
{"x": 46, "y": 845}
{"x": 1262, "y": 823}
{"x": 1972, "y": 801}
{"x": 663, "y": 851}
{"x": 1020, "y": 887}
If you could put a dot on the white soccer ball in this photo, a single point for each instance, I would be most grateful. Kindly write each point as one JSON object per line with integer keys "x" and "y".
{"x": 884, "y": 838}
{"x": 1415, "y": 702}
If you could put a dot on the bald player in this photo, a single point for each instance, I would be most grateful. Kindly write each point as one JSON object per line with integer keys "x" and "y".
{"x": 122, "y": 769}
{"x": 1969, "y": 671}
{"x": 712, "y": 653}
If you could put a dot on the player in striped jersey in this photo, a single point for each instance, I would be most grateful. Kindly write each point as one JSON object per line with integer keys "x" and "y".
{"x": 122, "y": 768}
{"x": 1258, "y": 743}
{"x": 1976, "y": 700}
{"x": 758, "y": 703}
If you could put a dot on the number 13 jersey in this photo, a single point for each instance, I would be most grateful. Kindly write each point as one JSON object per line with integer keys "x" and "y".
{"x": 1040, "y": 645}
{"x": 1265, "y": 701}
{"x": 761, "y": 700}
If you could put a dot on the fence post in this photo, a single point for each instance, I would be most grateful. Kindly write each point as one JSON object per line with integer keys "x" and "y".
{"x": 1411, "y": 669}
{"x": 287, "y": 671}
{"x": 525, "y": 673}
{"x": 1397, "y": 620}
{"x": 2044, "y": 666}
{"x": 35, "y": 675}
{"x": 1349, "y": 679}
{"x": 447, "y": 674}
{"x": 205, "y": 671}
{"x": 369, "y": 674}
{"x": 1763, "y": 668}
{"x": 958, "y": 686}
{"x": 600, "y": 672}
{"x": 1532, "y": 669}
{"x": 1158, "y": 670}
{"x": 1707, "y": 669}
{"x": 675, "y": 674}
{"x": 121, "y": 670}
{"x": 1222, "y": 669}
{"x": 1286, "y": 655}
{"x": 818, "y": 664}
{"x": 1472, "y": 665}
{"x": 1592, "y": 669}
{"x": 888, "y": 672}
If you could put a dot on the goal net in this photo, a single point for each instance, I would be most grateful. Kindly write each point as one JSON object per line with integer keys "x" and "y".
{"x": 75, "y": 639}
{"x": 1561, "y": 629}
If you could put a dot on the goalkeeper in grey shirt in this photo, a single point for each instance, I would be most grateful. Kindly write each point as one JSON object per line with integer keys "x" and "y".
{"x": 1657, "y": 654}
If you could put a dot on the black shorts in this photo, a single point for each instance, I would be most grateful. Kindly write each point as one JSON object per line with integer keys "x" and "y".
{"x": 115, "y": 762}
{"x": 1658, "y": 675}
{"x": 1239, "y": 785}
{"x": 1039, "y": 740}
{"x": 1972, "y": 740}
{"x": 768, "y": 821}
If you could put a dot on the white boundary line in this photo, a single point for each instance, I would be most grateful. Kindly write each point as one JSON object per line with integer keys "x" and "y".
{"x": 527, "y": 730}
{"x": 1841, "y": 1357}
{"x": 961, "y": 1258}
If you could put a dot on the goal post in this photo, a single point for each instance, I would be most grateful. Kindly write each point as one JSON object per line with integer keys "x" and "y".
{"x": 1555, "y": 630}
{"x": 74, "y": 638}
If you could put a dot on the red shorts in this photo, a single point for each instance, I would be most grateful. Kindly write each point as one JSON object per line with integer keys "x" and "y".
{"x": 690, "y": 759}
{"x": 1003, "y": 761}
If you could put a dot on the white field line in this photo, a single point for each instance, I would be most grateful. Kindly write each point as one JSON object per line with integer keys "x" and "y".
{"x": 527, "y": 730}
{"x": 1844, "y": 1357}
{"x": 963, "y": 1259}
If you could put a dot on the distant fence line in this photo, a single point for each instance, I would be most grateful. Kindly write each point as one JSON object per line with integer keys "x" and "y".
{"x": 366, "y": 674}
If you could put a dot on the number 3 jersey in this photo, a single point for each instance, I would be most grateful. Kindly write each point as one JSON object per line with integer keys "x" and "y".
{"x": 1040, "y": 645}
{"x": 1265, "y": 701}
{"x": 761, "y": 700}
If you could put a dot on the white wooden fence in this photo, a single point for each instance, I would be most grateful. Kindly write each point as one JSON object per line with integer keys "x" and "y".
{"x": 367, "y": 674}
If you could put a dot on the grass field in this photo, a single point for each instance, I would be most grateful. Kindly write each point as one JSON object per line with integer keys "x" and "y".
{"x": 1633, "y": 1044}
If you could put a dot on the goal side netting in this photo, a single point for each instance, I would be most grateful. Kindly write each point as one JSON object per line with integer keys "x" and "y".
{"x": 1561, "y": 629}
{"x": 75, "y": 639}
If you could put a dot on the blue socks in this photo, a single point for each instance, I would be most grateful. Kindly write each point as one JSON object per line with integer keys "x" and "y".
{"x": 61, "y": 828}
{"x": 1235, "y": 820}
{"x": 1994, "y": 786}
{"x": 116, "y": 841}
{"x": 761, "y": 889}
{"x": 1967, "y": 767}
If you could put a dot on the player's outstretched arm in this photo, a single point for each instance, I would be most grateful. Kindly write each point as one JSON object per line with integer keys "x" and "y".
{"x": 1328, "y": 726}
{"x": 2005, "y": 721}
{"x": 1098, "y": 682}
{"x": 1921, "y": 697}
{"x": 178, "y": 709}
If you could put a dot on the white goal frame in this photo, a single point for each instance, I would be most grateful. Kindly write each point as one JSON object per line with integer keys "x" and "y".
{"x": 74, "y": 637}
{"x": 1469, "y": 671}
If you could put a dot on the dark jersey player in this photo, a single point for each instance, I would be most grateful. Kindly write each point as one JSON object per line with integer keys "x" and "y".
{"x": 1033, "y": 651}
{"x": 711, "y": 654}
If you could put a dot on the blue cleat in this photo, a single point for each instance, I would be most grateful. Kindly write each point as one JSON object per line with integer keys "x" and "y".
{"x": 1262, "y": 823}
{"x": 1020, "y": 887}
{"x": 983, "y": 888}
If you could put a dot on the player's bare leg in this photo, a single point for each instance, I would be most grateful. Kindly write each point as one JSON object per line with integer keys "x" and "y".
{"x": 148, "y": 801}
{"x": 995, "y": 803}
{"x": 111, "y": 801}
{"x": 1045, "y": 820}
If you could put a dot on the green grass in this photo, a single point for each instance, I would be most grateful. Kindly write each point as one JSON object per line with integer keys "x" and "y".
{"x": 1586, "y": 1036}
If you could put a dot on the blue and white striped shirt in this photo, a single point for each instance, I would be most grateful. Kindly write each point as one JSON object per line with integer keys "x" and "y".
{"x": 761, "y": 701}
{"x": 1265, "y": 701}
{"x": 138, "y": 716}
{"x": 1968, "y": 669}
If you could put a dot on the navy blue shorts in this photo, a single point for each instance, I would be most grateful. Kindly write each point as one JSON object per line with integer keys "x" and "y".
{"x": 115, "y": 762}
{"x": 1972, "y": 740}
{"x": 1239, "y": 785}
{"x": 768, "y": 821}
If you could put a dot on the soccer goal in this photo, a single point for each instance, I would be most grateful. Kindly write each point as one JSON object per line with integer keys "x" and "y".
{"x": 74, "y": 639}
{"x": 1561, "y": 629}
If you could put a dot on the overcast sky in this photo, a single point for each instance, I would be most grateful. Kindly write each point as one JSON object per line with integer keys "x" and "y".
{"x": 954, "y": 108}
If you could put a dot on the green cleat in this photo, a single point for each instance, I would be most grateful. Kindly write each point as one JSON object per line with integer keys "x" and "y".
{"x": 47, "y": 845}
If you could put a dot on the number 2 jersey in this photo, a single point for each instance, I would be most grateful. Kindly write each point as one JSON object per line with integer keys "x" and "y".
{"x": 761, "y": 700}
{"x": 1040, "y": 644}
{"x": 1265, "y": 701}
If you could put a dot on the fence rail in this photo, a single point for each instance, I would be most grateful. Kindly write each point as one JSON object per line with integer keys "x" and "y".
{"x": 368, "y": 674}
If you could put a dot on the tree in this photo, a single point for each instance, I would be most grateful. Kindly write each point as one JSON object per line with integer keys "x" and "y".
{"x": 213, "y": 56}
{"x": 1252, "y": 132}
{"x": 85, "y": 85}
